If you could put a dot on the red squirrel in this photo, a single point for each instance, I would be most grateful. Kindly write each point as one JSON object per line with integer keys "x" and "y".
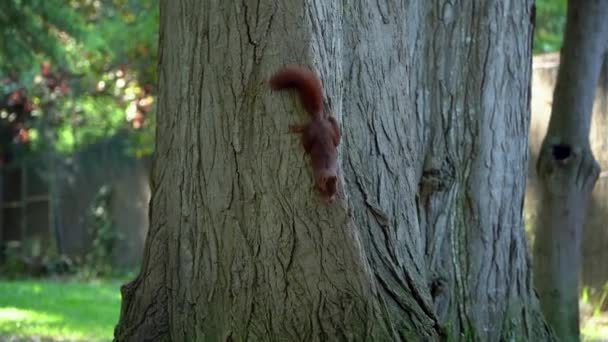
{"x": 321, "y": 136}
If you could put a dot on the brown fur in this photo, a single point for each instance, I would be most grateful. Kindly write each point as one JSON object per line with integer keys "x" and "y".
{"x": 321, "y": 136}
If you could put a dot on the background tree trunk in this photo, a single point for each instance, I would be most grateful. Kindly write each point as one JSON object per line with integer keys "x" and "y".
{"x": 426, "y": 241}
{"x": 566, "y": 167}
{"x": 594, "y": 270}
{"x": 595, "y": 235}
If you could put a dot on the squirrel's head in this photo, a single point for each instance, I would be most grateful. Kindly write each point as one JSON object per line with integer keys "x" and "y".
{"x": 327, "y": 185}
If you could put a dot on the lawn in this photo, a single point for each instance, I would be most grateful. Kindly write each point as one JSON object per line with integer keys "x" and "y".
{"x": 59, "y": 310}
{"x": 87, "y": 311}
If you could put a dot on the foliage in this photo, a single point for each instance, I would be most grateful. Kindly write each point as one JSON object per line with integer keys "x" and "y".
{"x": 98, "y": 262}
{"x": 31, "y": 31}
{"x": 550, "y": 22}
{"x": 80, "y": 71}
{"x": 73, "y": 310}
{"x": 27, "y": 260}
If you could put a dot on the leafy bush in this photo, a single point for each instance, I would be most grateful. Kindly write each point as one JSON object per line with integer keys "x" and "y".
{"x": 550, "y": 22}
{"x": 27, "y": 260}
{"x": 98, "y": 261}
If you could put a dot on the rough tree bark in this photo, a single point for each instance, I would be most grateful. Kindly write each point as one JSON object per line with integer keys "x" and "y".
{"x": 426, "y": 240}
{"x": 566, "y": 167}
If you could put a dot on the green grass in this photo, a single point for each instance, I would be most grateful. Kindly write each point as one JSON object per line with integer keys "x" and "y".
{"x": 59, "y": 310}
{"x": 88, "y": 311}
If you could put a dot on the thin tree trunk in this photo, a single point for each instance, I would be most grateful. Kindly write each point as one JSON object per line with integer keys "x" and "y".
{"x": 595, "y": 236}
{"x": 426, "y": 239}
{"x": 567, "y": 169}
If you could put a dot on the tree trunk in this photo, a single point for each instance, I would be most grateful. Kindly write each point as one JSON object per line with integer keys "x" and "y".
{"x": 595, "y": 237}
{"x": 566, "y": 167}
{"x": 594, "y": 269}
{"x": 426, "y": 239}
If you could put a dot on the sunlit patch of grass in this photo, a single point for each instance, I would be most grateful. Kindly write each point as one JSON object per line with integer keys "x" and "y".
{"x": 20, "y": 322}
{"x": 594, "y": 321}
{"x": 59, "y": 310}
{"x": 595, "y": 328}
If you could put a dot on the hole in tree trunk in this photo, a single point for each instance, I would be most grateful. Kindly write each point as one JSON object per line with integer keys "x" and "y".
{"x": 438, "y": 287}
{"x": 561, "y": 152}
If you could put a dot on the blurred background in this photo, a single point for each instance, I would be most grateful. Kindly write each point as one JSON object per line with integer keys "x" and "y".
{"x": 77, "y": 95}
{"x": 77, "y": 106}
{"x": 77, "y": 87}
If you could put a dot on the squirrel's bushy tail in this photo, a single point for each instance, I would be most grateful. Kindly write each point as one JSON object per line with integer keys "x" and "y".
{"x": 305, "y": 82}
